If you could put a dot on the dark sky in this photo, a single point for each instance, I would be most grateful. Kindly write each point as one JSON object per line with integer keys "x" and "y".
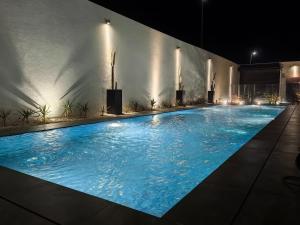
{"x": 232, "y": 28}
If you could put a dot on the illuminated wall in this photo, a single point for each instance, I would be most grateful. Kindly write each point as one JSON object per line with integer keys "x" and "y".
{"x": 290, "y": 73}
{"x": 291, "y": 69}
{"x": 53, "y": 51}
{"x": 227, "y": 77}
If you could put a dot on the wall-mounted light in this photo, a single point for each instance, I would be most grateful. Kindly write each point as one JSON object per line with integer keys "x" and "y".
{"x": 107, "y": 21}
{"x": 178, "y": 48}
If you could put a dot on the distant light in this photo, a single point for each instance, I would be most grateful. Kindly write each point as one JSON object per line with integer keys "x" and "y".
{"x": 241, "y": 103}
{"x": 254, "y": 52}
{"x": 107, "y": 21}
{"x": 278, "y": 103}
{"x": 115, "y": 124}
{"x": 258, "y": 102}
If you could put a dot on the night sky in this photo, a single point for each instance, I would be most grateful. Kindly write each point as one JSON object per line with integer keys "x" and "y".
{"x": 232, "y": 28}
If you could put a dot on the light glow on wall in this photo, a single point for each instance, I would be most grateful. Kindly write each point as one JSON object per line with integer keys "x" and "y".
{"x": 108, "y": 48}
{"x": 156, "y": 58}
{"x": 209, "y": 71}
{"x": 241, "y": 103}
{"x": 230, "y": 83}
{"x": 177, "y": 66}
{"x": 51, "y": 97}
{"x": 225, "y": 102}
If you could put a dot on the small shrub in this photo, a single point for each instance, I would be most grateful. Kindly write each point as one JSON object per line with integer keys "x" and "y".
{"x": 68, "y": 109}
{"x": 3, "y": 115}
{"x": 196, "y": 101}
{"x": 134, "y": 105}
{"x": 83, "y": 110}
{"x": 272, "y": 98}
{"x": 26, "y": 114}
{"x": 199, "y": 101}
{"x": 127, "y": 108}
{"x": 143, "y": 108}
{"x": 166, "y": 104}
{"x": 43, "y": 112}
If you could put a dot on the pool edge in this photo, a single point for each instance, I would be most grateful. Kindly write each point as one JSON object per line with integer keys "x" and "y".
{"x": 13, "y": 177}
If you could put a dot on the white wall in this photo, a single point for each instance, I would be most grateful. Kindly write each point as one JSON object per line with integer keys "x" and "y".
{"x": 55, "y": 50}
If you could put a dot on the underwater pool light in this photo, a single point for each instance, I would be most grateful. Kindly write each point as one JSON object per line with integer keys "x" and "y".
{"x": 115, "y": 124}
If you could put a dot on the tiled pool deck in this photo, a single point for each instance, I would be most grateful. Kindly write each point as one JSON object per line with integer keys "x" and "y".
{"x": 247, "y": 189}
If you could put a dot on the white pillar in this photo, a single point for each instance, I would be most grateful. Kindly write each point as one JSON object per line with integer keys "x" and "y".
{"x": 230, "y": 84}
{"x": 282, "y": 87}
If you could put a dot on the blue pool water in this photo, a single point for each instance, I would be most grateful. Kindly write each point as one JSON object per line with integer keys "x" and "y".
{"x": 147, "y": 163}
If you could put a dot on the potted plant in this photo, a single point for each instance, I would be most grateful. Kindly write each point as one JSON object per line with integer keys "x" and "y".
{"x": 211, "y": 93}
{"x": 180, "y": 92}
{"x": 114, "y": 95}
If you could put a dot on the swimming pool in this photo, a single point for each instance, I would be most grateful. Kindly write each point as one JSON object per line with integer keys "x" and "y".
{"x": 148, "y": 163}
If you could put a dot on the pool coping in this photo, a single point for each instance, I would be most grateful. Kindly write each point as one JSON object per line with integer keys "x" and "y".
{"x": 17, "y": 130}
{"x": 55, "y": 204}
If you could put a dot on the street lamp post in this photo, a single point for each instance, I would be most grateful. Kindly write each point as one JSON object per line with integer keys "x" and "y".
{"x": 253, "y": 53}
{"x": 202, "y": 23}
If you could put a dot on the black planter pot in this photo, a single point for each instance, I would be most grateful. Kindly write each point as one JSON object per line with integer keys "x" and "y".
{"x": 180, "y": 97}
{"x": 210, "y": 98}
{"x": 114, "y": 101}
